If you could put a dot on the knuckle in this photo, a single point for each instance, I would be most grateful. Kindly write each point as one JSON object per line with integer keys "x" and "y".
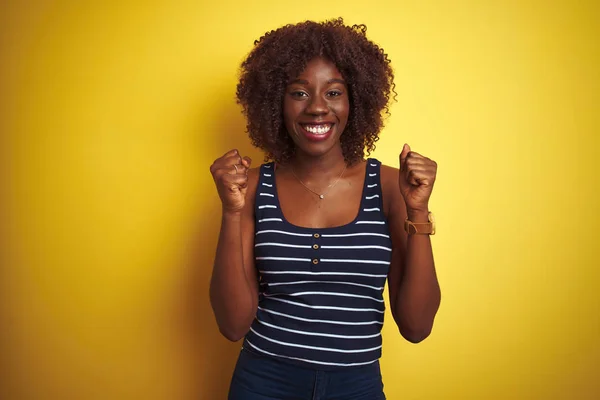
{"x": 242, "y": 179}
{"x": 222, "y": 175}
{"x": 232, "y": 160}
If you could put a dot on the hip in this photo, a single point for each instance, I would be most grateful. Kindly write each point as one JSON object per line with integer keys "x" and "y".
{"x": 263, "y": 377}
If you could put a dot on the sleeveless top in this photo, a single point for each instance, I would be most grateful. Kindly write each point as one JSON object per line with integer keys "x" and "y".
{"x": 320, "y": 290}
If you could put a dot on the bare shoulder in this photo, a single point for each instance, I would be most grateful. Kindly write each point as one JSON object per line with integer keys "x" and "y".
{"x": 393, "y": 202}
{"x": 253, "y": 178}
{"x": 253, "y": 174}
{"x": 389, "y": 174}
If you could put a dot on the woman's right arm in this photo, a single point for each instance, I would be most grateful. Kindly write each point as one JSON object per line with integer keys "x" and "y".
{"x": 234, "y": 283}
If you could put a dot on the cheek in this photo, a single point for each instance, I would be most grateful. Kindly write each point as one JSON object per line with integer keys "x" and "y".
{"x": 290, "y": 110}
{"x": 343, "y": 111}
{"x": 289, "y": 118}
{"x": 287, "y": 115}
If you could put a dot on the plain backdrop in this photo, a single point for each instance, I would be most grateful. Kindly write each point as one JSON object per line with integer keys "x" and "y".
{"x": 112, "y": 112}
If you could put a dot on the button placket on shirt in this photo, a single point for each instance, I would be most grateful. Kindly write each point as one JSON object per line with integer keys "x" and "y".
{"x": 315, "y": 246}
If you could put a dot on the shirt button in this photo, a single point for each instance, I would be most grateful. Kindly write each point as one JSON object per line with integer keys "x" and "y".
{"x": 315, "y": 246}
{"x": 316, "y": 235}
{"x": 315, "y": 261}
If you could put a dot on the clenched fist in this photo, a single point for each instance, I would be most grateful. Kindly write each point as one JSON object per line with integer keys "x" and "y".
{"x": 230, "y": 173}
{"x": 416, "y": 179}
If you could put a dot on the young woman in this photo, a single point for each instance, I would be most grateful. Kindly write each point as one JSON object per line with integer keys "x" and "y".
{"x": 309, "y": 238}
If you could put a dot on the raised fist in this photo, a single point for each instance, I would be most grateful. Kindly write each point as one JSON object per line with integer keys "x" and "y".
{"x": 230, "y": 173}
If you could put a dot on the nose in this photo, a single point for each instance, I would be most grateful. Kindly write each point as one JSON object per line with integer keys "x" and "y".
{"x": 317, "y": 106}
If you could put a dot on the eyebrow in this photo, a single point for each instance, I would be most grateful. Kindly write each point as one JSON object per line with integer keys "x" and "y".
{"x": 330, "y": 81}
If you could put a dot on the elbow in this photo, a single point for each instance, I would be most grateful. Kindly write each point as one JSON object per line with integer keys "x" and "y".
{"x": 416, "y": 337}
{"x": 414, "y": 331}
{"x": 233, "y": 318}
{"x": 233, "y": 327}
{"x": 415, "y": 334}
{"x": 233, "y": 335}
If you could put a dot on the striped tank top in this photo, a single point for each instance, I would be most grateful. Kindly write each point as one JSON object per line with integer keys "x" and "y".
{"x": 321, "y": 290}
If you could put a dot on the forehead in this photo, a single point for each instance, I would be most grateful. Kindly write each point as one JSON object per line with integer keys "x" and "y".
{"x": 320, "y": 69}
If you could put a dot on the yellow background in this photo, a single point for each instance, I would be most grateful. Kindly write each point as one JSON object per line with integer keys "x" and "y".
{"x": 111, "y": 114}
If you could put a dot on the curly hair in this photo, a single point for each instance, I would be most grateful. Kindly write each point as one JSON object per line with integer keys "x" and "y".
{"x": 282, "y": 54}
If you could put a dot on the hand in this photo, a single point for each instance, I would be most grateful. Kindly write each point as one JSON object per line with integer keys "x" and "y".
{"x": 417, "y": 175}
{"x": 230, "y": 173}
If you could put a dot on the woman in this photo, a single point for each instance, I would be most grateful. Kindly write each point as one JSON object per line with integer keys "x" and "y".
{"x": 308, "y": 240}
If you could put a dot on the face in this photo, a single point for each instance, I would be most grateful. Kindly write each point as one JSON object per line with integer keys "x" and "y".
{"x": 316, "y": 108}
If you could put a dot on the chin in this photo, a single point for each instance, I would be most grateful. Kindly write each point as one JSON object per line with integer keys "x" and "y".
{"x": 317, "y": 150}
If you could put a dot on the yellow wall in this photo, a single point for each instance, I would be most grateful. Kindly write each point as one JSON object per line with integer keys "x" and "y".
{"x": 111, "y": 114}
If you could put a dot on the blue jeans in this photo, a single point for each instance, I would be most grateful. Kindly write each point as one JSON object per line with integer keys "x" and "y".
{"x": 262, "y": 377}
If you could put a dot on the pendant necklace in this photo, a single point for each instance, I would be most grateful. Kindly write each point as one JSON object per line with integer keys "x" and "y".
{"x": 321, "y": 195}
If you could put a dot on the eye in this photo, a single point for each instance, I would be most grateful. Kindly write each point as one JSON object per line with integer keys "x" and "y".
{"x": 298, "y": 93}
{"x": 334, "y": 93}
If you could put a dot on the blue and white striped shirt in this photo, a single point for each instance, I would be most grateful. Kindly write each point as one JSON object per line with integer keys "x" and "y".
{"x": 321, "y": 290}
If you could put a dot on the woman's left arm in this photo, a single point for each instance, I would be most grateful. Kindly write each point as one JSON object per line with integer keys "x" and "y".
{"x": 412, "y": 281}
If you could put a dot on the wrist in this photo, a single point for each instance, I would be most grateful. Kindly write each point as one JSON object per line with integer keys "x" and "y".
{"x": 233, "y": 216}
{"x": 417, "y": 215}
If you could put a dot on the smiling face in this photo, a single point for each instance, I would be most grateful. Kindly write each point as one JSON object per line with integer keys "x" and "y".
{"x": 316, "y": 108}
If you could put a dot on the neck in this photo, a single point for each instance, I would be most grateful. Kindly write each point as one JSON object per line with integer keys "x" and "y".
{"x": 318, "y": 169}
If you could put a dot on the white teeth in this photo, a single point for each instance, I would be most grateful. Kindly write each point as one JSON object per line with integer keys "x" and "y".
{"x": 318, "y": 129}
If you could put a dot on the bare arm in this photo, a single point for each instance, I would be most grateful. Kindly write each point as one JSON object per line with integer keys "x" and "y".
{"x": 234, "y": 286}
{"x": 413, "y": 285}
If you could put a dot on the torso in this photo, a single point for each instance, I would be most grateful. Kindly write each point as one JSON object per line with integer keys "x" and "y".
{"x": 322, "y": 266}
{"x": 340, "y": 205}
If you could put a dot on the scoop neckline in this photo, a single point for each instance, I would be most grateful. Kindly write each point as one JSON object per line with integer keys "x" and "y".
{"x": 332, "y": 228}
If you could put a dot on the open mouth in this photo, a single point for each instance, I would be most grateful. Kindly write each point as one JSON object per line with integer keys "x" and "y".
{"x": 316, "y": 131}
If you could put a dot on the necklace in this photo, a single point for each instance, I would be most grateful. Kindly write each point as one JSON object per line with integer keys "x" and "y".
{"x": 321, "y": 195}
